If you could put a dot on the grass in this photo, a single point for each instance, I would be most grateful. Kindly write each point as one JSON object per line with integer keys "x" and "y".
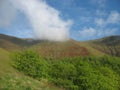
{"x": 21, "y": 82}
{"x": 92, "y": 51}
{"x": 11, "y": 79}
{"x": 48, "y": 48}
{"x": 60, "y": 49}
{"x": 5, "y": 63}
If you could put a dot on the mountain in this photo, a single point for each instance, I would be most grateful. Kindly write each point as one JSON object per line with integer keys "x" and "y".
{"x": 14, "y": 43}
{"x": 11, "y": 78}
{"x": 109, "y": 45}
{"x": 45, "y": 48}
{"x": 110, "y": 41}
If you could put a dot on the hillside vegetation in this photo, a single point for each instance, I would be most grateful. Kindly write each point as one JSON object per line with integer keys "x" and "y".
{"x": 27, "y": 64}
{"x": 77, "y": 73}
{"x": 12, "y": 79}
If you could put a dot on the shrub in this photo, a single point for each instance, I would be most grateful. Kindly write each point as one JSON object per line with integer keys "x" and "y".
{"x": 30, "y": 63}
{"x": 79, "y": 73}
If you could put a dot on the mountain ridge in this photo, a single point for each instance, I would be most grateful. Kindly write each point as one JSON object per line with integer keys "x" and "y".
{"x": 67, "y": 48}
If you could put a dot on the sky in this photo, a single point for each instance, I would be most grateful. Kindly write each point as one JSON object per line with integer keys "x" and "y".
{"x": 59, "y": 20}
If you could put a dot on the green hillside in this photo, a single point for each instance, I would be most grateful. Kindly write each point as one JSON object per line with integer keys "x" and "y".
{"x": 4, "y": 61}
{"x": 71, "y": 65}
{"x": 71, "y": 73}
{"x": 11, "y": 79}
{"x": 92, "y": 50}
{"x": 109, "y": 45}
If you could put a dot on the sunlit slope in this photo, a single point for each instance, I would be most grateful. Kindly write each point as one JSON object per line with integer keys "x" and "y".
{"x": 11, "y": 79}
{"x": 109, "y": 45}
{"x": 92, "y": 50}
{"x": 45, "y": 48}
{"x": 11, "y": 43}
{"x": 5, "y": 63}
{"x": 61, "y": 49}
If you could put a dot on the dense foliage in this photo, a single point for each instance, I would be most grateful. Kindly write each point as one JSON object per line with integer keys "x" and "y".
{"x": 78, "y": 73}
{"x": 30, "y": 63}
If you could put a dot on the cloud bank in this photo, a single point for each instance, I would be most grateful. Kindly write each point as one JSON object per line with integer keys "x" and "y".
{"x": 87, "y": 32}
{"x": 44, "y": 19}
{"x": 102, "y": 26}
{"x": 112, "y": 18}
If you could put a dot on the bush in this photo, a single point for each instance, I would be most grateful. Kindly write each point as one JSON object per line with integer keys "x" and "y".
{"x": 63, "y": 74}
{"x": 30, "y": 63}
{"x": 79, "y": 73}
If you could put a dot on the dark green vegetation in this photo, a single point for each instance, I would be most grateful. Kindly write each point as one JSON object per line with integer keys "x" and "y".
{"x": 78, "y": 73}
{"x": 71, "y": 65}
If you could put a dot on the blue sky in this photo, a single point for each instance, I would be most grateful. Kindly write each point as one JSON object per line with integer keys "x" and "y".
{"x": 91, "y": 19}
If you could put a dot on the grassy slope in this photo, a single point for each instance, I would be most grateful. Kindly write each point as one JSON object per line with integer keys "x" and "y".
{"x": 109, "y": 45}
{"x": 45, "y": 48}
{"x": 5, "y": 62}
{"x": 60, "y": 49}
{"x": 110, "y": 41}
{"x": 10, "y": 79}
{"x": 91, "y": 50}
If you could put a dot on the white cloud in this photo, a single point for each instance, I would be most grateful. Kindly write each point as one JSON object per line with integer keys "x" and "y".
{"x": 99, "y": 22}
{"x": 44, "y": 19}
{"x": 91, "y": 33}
{"x": 87, "y": 32}
{"x": 103, "y": 24}
{"x": 113, "y": 18}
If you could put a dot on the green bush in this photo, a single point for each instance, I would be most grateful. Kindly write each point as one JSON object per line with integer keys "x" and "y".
{"x": 78, "y": 73}
{"x": 30, "y": 63}
{"x": 85, "y": 73}
{"x": 63, "y": 74}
